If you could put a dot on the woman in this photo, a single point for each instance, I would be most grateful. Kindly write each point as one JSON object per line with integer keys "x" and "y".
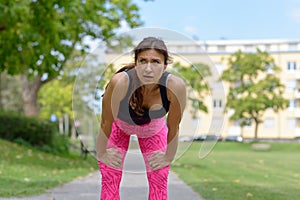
{"x": 136, "y": 101}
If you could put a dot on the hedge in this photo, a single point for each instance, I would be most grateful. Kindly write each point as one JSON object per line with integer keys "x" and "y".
{"x": 17, "y": 127}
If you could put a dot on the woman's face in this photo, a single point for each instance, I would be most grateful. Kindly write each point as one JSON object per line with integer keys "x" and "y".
{"x": 150, "y": 66}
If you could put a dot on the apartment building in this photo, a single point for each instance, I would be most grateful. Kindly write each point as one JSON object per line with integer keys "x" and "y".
{"x": 286, "y": 53}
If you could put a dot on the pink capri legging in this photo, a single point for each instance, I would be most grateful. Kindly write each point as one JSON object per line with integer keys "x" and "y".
{"x": 152, "y": 137}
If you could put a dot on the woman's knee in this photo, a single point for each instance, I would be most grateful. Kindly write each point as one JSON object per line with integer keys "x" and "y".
{"x": 159, "y": 177}
{"x": 108, "y": 172}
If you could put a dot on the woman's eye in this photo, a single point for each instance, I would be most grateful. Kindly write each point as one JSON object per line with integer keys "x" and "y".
{"x": 156, "y": 61}
{"x": 143, "y": 61}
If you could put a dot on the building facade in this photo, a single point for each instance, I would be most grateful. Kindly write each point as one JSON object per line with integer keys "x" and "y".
{"x": 284, "y": 124}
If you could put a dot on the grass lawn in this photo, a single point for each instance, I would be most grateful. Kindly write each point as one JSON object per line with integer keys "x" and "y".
{"x": 25, "y": 171}
{"x": 234, "y": 171}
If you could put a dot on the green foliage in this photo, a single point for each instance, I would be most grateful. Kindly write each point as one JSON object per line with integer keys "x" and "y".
{"x": 106, "y": 76}
{"x": 253, "y": 87}
{"x": 197, "y": 87}
{"x": 55, "y": 97}
{"x": 33, "y": 131}
{"x": 60, "y": 145}
{"x": 41, "y": 35}
{"x": 120, "y": 44}
{"x": 10, "y": 93}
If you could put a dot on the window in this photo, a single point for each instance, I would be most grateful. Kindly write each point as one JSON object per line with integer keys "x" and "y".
{"x": 179, "y": 48}
{"x": 291, "y": 123}
{"x": 269, "y": 123}
{"x": 290, "y": 85}
{"x": 217, "y": 103}
{"x": 247, "y": 123}
{"x": 221, "y": 48}
{"x": 291, "y": 66}
{"x": 292, "y": 103}
{"x": 267, "y": 47}
{"x": 249, "y": 47}
{"x": 292, "y": 46}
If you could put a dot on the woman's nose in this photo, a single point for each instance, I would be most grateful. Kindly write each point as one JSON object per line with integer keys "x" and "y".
{"x": 148, "y": 66}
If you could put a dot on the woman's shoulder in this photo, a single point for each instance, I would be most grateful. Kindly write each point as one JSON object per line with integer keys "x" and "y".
{"x": 119, "y": 79}
{"x": 176, "y": 88}
{"x": 118, "y": 84}
{"x": 175, "y": 82}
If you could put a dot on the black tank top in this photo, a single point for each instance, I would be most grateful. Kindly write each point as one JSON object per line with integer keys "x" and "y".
{"x": 127, "y": 114}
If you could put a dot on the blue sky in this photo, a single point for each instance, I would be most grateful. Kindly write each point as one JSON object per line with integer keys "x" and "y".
{"x": 228, "y": 19}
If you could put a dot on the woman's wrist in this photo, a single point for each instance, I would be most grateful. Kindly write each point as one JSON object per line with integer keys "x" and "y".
{"x": 169, "y": 158}
{"x": 100, "y": 154}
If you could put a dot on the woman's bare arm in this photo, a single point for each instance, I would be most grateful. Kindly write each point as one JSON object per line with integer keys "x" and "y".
{"x": 176, "y": 92}
{"x": 177, "y": 98}
{"x": 114, "y": 93}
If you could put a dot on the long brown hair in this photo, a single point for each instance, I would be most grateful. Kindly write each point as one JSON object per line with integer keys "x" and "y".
{"x": 136, "y": 99}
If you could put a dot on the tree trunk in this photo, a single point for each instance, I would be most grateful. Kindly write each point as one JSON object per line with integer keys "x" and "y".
{"x": 242, "y": 131}
{"x": 256, "y": 130}
{"x": 29, "y": 95}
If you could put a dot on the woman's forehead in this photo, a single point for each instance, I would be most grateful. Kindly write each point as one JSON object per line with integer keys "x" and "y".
{"x": 151, "y": 53}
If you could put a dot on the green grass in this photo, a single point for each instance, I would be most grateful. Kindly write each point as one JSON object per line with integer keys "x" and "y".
{"x": 26, "y": 171}
{"x": 234, "y": 171}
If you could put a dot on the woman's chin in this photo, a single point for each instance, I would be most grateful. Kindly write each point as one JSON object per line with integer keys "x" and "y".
{"x": 147, "y": 81}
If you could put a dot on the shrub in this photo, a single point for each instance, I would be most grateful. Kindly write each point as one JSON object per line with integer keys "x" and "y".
{"x": 60, "y": 145}
{"x": 26, "y": 130}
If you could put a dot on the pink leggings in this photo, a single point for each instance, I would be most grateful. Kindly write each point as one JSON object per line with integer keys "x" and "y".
{"x": 152, "y": 137}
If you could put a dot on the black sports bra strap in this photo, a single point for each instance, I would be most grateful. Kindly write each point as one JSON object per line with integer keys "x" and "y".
{"x": 163, "y": 90}
{"x": 128, "y": 93}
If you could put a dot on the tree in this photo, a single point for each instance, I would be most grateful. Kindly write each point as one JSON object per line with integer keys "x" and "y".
{"x": 253, "y": 87}
{"x": 10, "y": 93}
{"x": 197, "y": 87}
{"x": 39, "y": 36}
{"x": 55, "y": 98}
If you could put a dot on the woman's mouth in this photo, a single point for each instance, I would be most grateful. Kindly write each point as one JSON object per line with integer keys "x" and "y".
{"x": 148, "y": 77}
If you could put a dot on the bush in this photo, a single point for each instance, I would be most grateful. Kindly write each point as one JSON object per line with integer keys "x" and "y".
{"x": 26, "y": 130}
{"x": 60, "y": 145}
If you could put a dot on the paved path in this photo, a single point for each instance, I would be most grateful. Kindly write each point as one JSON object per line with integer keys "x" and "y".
{"x": 134, "y": 185}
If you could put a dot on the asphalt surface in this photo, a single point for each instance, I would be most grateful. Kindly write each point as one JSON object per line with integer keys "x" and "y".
{"x": 134, "y": 185}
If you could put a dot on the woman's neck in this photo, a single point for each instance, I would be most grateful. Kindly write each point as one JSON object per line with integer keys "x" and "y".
{"x": 148, "y": 89}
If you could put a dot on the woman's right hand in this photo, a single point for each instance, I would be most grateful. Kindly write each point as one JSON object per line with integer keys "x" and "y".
{"x": 112, "y": 158}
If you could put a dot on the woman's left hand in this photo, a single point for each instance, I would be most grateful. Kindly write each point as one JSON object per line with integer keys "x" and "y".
{"x": 158, "y": 160}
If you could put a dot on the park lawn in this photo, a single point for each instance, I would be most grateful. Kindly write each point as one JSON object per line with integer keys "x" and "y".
{"x": 26, "y": 171}
{"x": 234, "y": 171}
